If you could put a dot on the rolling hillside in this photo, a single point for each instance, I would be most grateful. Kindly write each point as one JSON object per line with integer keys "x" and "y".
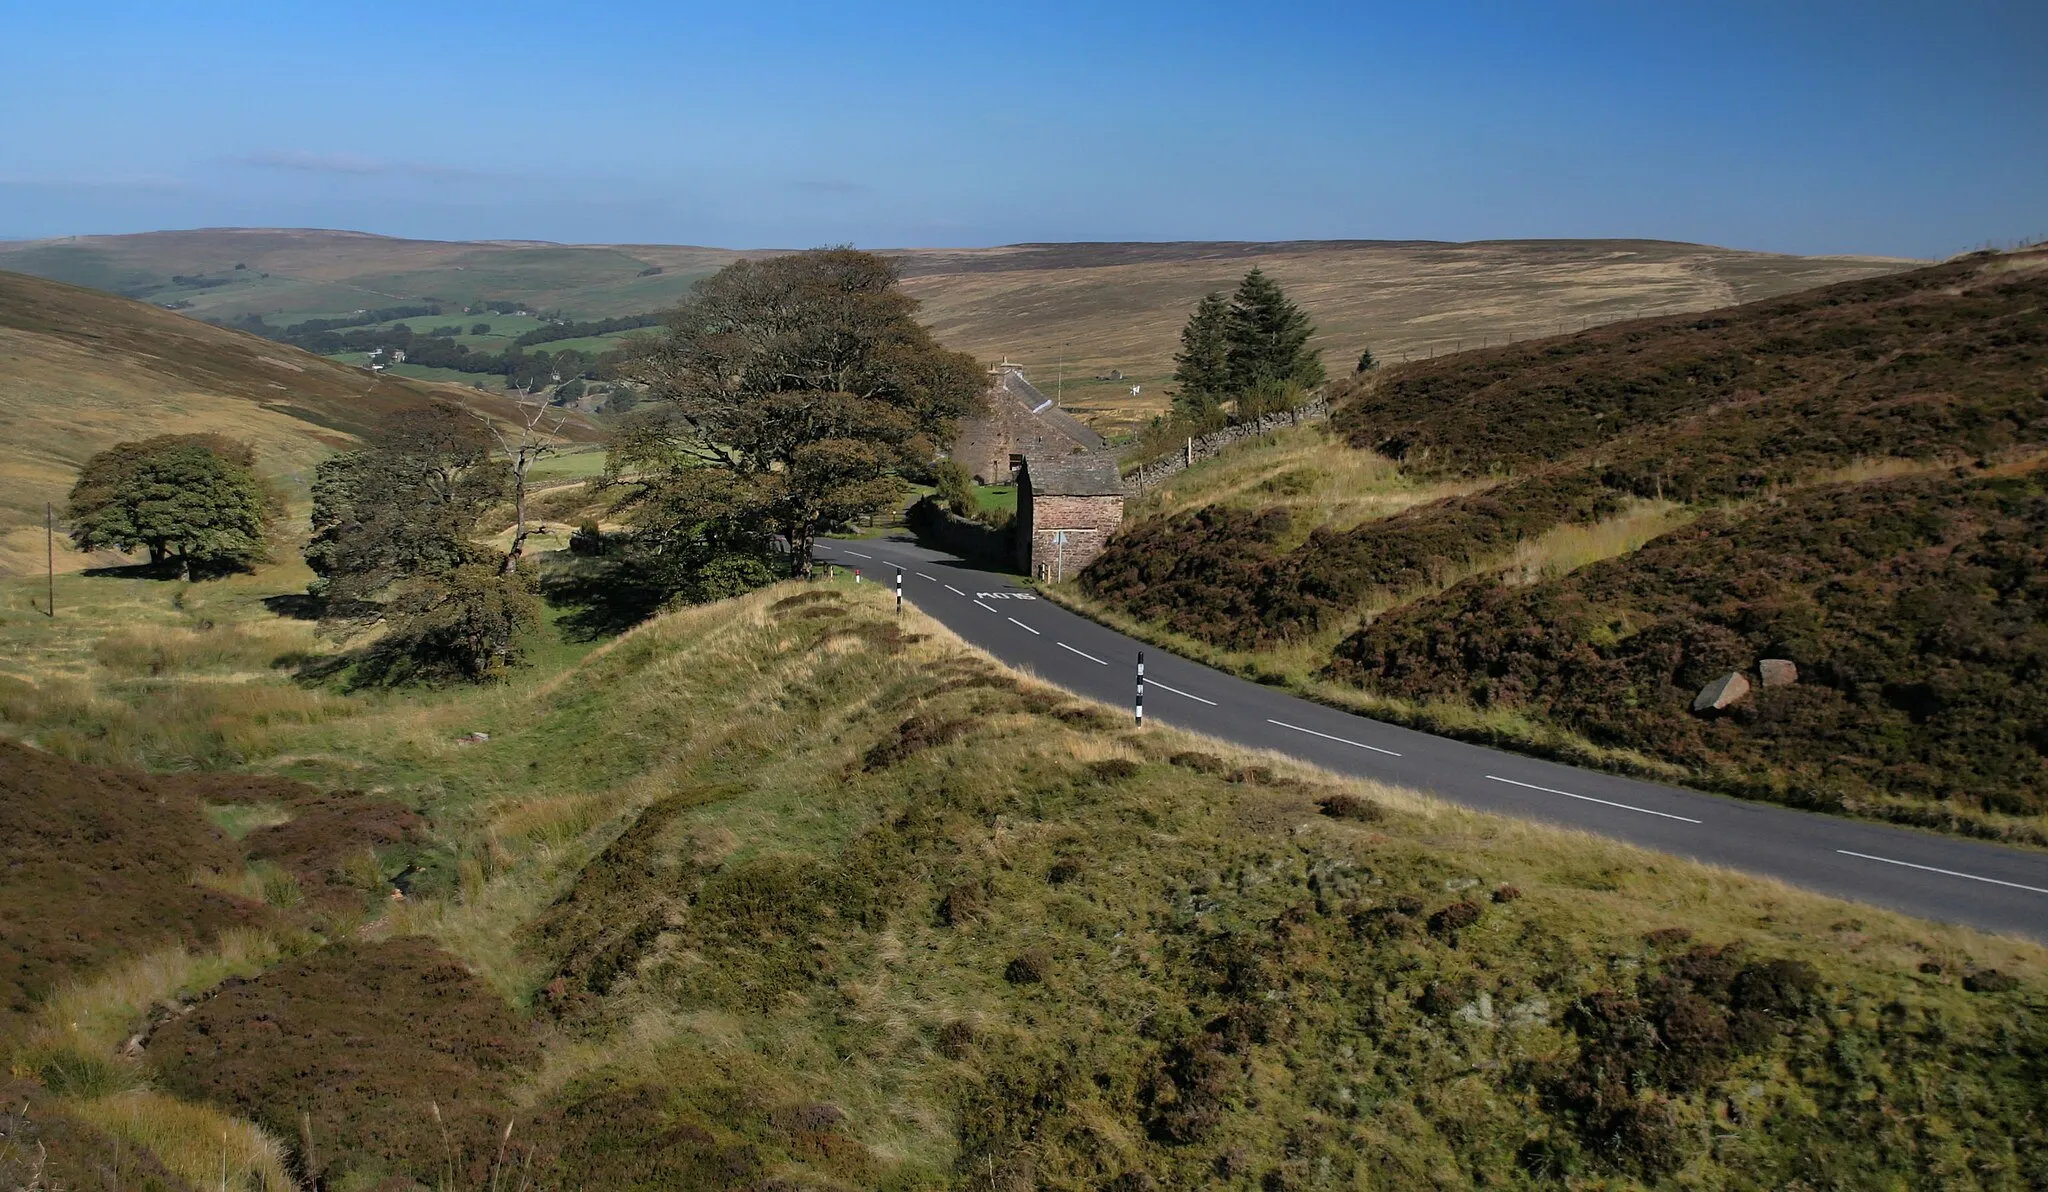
{"x": 877, "y": 913}
{"x": 1559, "y": 544}
{"x": 1081, "y": 311}
{"x": 81, "y": 370}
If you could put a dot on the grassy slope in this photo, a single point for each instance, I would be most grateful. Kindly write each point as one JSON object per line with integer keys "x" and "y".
{"x": 1538, "y": 460}
{"x": 81, "y": 370}
{"x": 1096, "y": 307}
{"x": 791, "y": 887}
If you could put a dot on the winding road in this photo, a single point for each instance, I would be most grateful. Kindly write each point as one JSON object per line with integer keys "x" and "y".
{"x": 1937, "y": 877}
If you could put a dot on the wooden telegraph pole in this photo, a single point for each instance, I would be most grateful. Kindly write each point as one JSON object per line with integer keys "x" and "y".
{"x": 50, "y": 555}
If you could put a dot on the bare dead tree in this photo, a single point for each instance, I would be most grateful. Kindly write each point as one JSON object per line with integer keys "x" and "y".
{"x": 531, "y": 442}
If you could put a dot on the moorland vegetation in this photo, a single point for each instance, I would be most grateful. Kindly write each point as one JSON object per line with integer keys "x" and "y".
{"x": 792, "y": 891}
{"x": 1864, "y": 464}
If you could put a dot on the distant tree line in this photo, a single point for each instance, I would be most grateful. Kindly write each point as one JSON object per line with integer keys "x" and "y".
{"x": 548, "y": 334}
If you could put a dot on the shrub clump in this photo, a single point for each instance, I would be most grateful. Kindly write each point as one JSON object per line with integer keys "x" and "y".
{"x": 1448, "y": 922}
{"x": 362, "y": 1039}
{"x": 1346, "y": 806}
{"x": 1504, "y": 894}
{"x": 1115, "y": 769}
{"x": 963, "y": 904}
{"x": 921, "y": 732}
{"x": 1029, "y": 967}
{"x": 1990, "y": 981}
{"x": 1200, "y": 763}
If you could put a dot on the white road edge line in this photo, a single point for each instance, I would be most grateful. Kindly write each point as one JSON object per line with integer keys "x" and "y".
{"x": 1590, "y": 799}
{"x": 1188, "y": 694}
{"x": 1944, "y": 872}
{"x": 957, "y": 592}
{"x": 1012, "y": 620}
{"x": 1083, "y": 653}
{"x": 1327, "y": 737}
{"x": 984, "y": 605}
{"x": 922, "y": 575}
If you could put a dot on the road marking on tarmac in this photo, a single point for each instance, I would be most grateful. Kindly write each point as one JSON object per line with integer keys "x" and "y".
{"x": 1012, "y": 620}
{"x": 1590, "y": 799}
{"x": 1083, "y": 653}
{"x": 922, "y": 575}
{"x": 856, "y": 554}
{"x": 984, "y": 606}
{"x": 1327, "y": 737}
{"x": 957, "y": 592}
{"x": 1944, "y": 872}
{"x": 1190, "y": 695}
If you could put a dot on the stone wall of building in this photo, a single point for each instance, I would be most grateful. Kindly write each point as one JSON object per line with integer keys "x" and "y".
{"x": 986, "y": 441}
{"x": 1087, "y": 521}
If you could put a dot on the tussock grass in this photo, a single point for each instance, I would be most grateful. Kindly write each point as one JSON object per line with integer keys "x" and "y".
{"x": 164, "y": 649}
{"x": 205, "y": 1146}
{"x": 99, "y": 1016}
{"x": 1567, "y": 548}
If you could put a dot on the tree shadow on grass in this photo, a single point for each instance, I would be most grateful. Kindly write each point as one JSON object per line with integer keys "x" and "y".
{"x": 603, "y": 597}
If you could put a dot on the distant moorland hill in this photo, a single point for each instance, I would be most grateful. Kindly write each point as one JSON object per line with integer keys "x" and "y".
{"x": 1561, "y": 543}
{"x": 81, "y": 370}
{"x": 1094, "y": 319}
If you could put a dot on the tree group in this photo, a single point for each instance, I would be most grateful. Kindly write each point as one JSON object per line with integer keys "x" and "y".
{"x": 192, "y": 501}
{"x": 789, "y": 395}
{"x": 394, "y": 545}
{"x": 1255, "y": 345}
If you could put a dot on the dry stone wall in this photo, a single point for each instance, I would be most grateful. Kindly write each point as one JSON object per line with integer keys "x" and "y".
{"x": 1313, "y": 410}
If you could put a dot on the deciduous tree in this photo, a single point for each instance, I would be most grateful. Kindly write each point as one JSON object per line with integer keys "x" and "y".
{"x": 805, "y": 380}
{"x": 191, "y": 500}
{"x": 394, "y": 543}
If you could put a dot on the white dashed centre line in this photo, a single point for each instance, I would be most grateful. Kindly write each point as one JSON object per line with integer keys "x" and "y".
{"x": 922, "y": 575}
{"x": 1327, "y": 737}
{"x": 955, "y": 591}
{"x": 1187, "y": 694}
{"x": 1013, "y": 620}
{"x": 1083, "y": 653}
{"x": 856, "y": 554}
{"x": 1944, "y": 872}
{"x": 1590, "y": 799}
{"x": 984, "y": 606}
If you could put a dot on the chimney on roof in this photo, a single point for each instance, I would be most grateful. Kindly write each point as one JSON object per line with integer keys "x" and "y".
{"x": 1004, "y": 366}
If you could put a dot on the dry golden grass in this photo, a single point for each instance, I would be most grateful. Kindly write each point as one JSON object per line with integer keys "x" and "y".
{"x": 205, "y": 1146}
{"x": 1567, "y": 548}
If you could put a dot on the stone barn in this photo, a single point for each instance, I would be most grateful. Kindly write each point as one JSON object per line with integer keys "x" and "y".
{"x": 1016, "y": 420}
{"x": 1067, "y": 507}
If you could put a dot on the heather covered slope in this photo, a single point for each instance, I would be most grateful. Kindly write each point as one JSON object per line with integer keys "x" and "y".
{"x": 794, "y": 892}
{"x": 1518, "y": 465}
{"x": 81, "y": 370}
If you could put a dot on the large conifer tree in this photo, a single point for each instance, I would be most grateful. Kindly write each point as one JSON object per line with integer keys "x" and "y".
{"x": 1268, "y": 336}
{"x": 1202, "y": 369}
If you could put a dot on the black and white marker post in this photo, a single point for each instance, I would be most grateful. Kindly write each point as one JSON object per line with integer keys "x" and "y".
{"x": 899, "y": 591}
{"x": 1139, "y": 707}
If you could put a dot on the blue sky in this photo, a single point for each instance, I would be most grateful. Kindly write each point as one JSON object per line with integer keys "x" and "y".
{"x": 1915, "y": 129}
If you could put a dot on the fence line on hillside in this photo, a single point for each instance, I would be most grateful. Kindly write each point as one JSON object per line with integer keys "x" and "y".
{"x": 1196, "y": 450}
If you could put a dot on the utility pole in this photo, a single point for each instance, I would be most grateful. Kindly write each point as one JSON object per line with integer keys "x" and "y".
{"x": 50, "y": 554}
{"x": 1059, "y": 384}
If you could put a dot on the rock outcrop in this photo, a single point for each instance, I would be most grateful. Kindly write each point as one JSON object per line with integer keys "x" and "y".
{"x": 1720, "y": 693}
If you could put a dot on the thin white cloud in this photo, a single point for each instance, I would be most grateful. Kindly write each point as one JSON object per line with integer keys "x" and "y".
{"x": 350, "y": 164}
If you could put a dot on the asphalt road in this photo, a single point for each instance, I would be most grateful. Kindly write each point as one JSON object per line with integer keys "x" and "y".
{"x": 1937, "y": 877}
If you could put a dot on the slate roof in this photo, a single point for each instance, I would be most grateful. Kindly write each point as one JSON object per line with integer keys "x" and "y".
{"x": 1091, "y": 475}
{"x": 1013, "y": 383}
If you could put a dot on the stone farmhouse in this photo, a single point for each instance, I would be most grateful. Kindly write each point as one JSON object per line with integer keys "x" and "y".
{"x": 1017, "y": 420}
{"x": 1067, "y": 507}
